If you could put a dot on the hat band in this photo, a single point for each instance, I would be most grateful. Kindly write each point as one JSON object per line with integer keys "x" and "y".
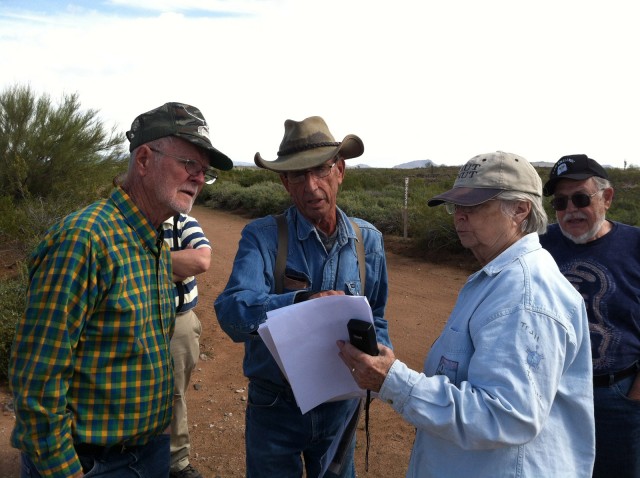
{"x": 306, "y": 147}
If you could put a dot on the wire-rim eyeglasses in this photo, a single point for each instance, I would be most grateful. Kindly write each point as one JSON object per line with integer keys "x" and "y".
{"x": 322, "y": 171}
{"x": 192, "y": 167}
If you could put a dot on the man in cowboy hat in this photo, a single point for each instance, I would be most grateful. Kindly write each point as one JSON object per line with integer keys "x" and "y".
{"x": 321, "y": 260}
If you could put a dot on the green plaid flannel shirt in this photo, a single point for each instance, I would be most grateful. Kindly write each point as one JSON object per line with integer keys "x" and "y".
{"x": 90, "y": 361}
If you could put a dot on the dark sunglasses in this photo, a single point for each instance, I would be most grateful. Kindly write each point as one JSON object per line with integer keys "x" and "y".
{"x": 578, "y": 200}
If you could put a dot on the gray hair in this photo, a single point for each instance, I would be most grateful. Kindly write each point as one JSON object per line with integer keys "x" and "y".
{"x": 156, "y": 143}
{"x": 601, "y": 183}
{"x": 122, "y": 179}
{"x": 536, "y": 221}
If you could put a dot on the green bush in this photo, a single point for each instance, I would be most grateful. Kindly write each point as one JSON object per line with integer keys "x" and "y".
{"x": 377, "y": 195}
{"x": 26, "y": 221}
{"x": 52, "y": 149}
{"x": 9, "y": 220}
{"x": 259, "y": 199}
{"x": 12, "y": 298}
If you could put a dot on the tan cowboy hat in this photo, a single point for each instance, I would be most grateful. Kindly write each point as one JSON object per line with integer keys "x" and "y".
{"x": 307, "y": 144}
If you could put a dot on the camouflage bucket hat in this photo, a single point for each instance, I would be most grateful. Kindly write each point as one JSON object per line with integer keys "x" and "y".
{"x": 176, "y": 119}
{"x": 307, "y": 144}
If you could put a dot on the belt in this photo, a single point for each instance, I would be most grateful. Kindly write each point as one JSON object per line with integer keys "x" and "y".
{"x": 101, "y": 451}
{"x": 284, "y": 390}
{"x": 611, "y": 378}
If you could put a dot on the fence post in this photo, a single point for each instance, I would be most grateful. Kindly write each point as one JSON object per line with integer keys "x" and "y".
{"x": 405, "y": 213}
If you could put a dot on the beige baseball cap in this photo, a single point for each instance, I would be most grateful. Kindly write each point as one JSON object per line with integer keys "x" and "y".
{"x": 485, "y": 176}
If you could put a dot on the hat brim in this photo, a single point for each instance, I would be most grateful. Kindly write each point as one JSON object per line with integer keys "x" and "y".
{"x": 550, "y": 186}
{"x": 217, "y": 159}
{"x": 350, "y": 147}
{"x": 464, "y": 196}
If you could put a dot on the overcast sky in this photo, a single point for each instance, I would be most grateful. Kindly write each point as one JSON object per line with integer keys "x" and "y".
{"x": 415, "y": 79}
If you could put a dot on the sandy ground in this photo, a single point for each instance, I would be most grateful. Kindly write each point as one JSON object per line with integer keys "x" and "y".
{"x": 421, "y": 295}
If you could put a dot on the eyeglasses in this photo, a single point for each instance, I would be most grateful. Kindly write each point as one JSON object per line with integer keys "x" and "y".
{"x": 192, "y": 167}
{"x": 297, "y": 177}
{"x": 579, "y": 200}
{"x": 453, "y": 208}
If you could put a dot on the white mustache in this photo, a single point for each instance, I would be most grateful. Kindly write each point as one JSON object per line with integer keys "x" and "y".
{"x": 574, "y": 215}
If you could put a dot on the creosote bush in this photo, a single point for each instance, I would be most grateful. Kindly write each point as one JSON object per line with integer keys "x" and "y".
{"x": 12, "y": 298}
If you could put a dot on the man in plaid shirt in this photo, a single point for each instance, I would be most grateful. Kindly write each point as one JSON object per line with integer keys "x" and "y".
{"x": 90, "y": 365}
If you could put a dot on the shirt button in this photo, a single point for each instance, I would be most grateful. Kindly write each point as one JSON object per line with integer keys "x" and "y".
{"x": 390, "y": 401}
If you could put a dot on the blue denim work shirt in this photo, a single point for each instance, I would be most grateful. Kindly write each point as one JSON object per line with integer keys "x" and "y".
{"x": 507, "y": 388}
{"x": 250, "y": 291}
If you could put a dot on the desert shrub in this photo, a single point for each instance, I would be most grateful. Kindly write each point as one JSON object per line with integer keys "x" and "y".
{"x": 26, "y": 222}
{"x": 437, "y": 234}
{"x": 266, "y": 198}
{"x": 54, "y": 148}
{"x": 377, "y": 195}
{"x": 9, "y": 224}
{"x": 222, "y": 195}
{"x": 259, "y": 199}
{"x": 247, "y": 177}
{"x": 12, "y": 298}
{"x": 384, "y": 211}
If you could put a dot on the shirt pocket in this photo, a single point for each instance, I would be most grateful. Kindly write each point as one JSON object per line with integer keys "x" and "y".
{"x": 295, "y": 281}
{"x": 450, "y": 355}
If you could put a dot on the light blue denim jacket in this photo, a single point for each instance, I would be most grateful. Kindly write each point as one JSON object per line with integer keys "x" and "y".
{"x": 250, "y": 291}
{"x": 507, "y": 388}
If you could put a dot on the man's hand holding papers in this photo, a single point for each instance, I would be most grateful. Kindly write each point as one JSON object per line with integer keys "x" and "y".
{"x": 302, "y": 339}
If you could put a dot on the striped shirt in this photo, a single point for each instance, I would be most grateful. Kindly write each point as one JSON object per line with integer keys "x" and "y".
{"x": 91, "y": 360}
{"x": 179, "y": 235}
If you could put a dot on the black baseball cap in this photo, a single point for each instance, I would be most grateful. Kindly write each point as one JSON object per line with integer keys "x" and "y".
{"x": 176, "y": 119}
{"x": 573, "y": 166}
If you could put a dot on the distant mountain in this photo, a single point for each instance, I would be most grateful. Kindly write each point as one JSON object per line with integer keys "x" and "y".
{"x": 241, "y": 164}
{"x": 422, "y": 163}
{"x": 425, "y": 163}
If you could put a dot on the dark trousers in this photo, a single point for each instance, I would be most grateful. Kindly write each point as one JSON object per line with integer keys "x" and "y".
{"x": 147, "y": 461}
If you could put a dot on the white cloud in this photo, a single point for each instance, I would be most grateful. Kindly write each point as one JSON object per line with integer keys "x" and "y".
{"x": 226, "y": 6}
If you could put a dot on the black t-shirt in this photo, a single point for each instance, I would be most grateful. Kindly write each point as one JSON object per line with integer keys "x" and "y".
{"x": 606, "y": 272}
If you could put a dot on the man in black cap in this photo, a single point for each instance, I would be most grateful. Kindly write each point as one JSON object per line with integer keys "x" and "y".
{"x": 602, "y": 260}
{"x": 321, "y": 260}
{"x": 90, "y": 366}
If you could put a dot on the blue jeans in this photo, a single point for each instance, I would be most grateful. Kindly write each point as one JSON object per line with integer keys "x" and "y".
{"x": 278, "y": 437}
{"x": 148, "y": 461}
{"x": 617, "y": 431}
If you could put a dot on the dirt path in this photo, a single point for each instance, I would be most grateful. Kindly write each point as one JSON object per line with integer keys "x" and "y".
{"x": 421, "y": 295}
